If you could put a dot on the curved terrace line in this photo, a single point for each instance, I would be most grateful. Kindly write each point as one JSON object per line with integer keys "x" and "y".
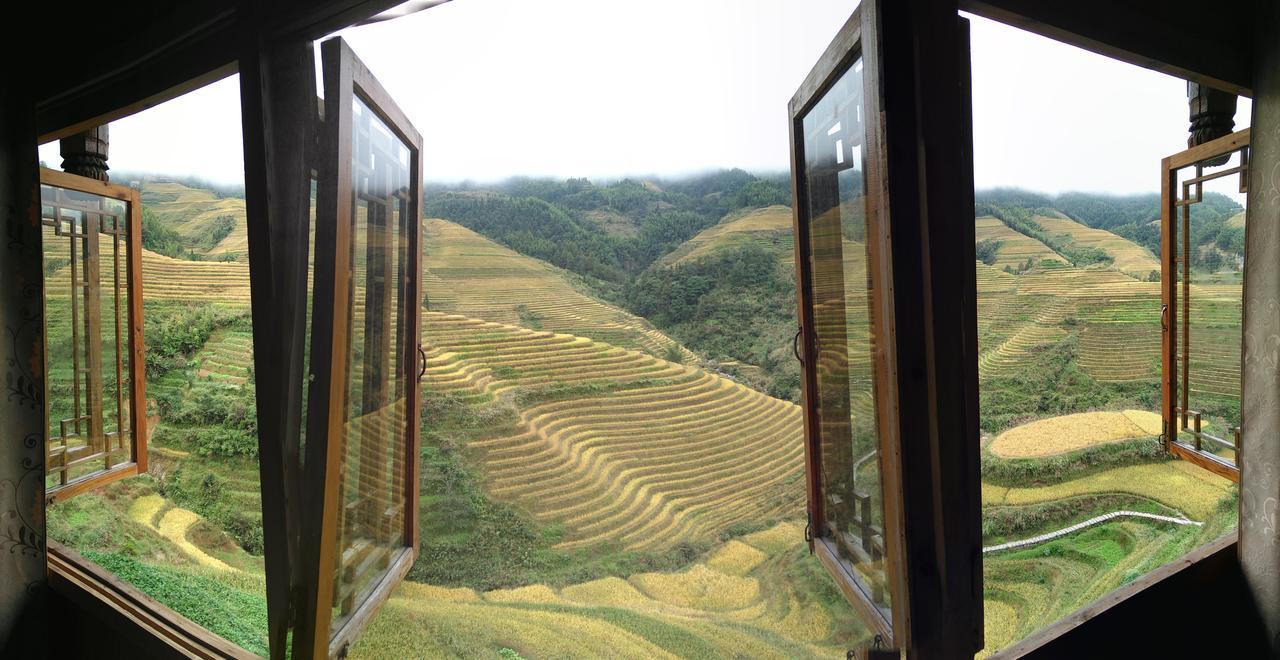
{"x": 1087, "y": 523}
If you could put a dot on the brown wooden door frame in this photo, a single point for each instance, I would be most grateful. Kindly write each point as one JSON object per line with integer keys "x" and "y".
{"x": 1176, "y": 200}
{"x": 346, "y": 78}
{"x": 920, "y": 193}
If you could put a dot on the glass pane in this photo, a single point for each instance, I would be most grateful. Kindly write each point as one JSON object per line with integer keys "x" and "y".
{"x": 85, "y": 240}
{"x": 1210, "y": 273}
{"x": 372, "y": 495}
{"x": 843, "y": 292}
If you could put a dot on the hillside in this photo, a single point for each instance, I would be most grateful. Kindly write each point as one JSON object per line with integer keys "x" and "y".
{"x": 769, "y": 227}
{"x": 471, "y": 275}
{"x": 614, "y": 445}
{"x": 1013, "y": 250}
{"x": 729, "y": 293}
{"x": 212, "y": 227}
{"x": 1126, "y": 256}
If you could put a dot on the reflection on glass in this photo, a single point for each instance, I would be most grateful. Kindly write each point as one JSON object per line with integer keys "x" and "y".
{"x": 372, "y": 494}
{"x": 1210, "y": 244}
{"x": 842, "y": 294}
{"x": 86, "y": 324}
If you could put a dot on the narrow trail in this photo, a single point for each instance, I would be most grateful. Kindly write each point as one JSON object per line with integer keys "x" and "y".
{"x": 1087, "y": 523}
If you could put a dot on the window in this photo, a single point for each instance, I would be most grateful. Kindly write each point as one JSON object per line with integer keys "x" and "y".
{"x": 363, "y": 400}
{"x": 1200, "y": 314}
{"x": 96, "y": 428}
{"x": 846, "y": 314}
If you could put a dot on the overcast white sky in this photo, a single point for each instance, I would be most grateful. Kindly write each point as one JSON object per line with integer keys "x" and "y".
{"x": 601, "y": 89}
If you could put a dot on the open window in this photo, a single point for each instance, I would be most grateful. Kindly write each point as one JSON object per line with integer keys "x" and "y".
{"x": 1200, "y": 314}
{"x": 96, "y": 427}
{"x": 362, "y": 411}
{"x": 846, "y": 314}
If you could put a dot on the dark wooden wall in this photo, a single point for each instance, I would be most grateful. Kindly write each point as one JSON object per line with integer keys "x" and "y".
{"x": 1260, "y": 370}
{"x": 22, "y": 583}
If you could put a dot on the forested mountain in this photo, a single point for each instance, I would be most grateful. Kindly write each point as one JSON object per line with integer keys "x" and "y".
{"x": 610, "y": 232}
{"x": 1134, "y": 217}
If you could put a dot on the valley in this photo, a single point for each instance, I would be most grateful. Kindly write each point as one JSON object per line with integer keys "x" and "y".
{"x": 611, "y": 441}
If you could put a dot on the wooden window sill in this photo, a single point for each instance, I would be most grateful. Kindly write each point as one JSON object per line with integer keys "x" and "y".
{"x": 93, "y": 588}
{"x": 1043, "y": 640}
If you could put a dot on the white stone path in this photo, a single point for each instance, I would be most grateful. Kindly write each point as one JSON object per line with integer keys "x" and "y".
{"x": 1081, "y": 525}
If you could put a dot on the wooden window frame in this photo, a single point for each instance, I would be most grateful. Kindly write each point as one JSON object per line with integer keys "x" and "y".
{"x": 346, "y": 78}
{"x": 919, "y": 187}
{"x": 846, "y": 49}
{"x": 134, "y": 331}
{"x": 1176, "y": 201}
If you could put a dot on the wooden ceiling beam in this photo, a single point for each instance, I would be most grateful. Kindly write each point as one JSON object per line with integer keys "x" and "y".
{"x": 1205, "y": 43}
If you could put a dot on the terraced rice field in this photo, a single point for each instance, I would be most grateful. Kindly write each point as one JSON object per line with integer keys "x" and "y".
{"x": 1183, "y": 487}
{"x": 225, "y": 283}
{"x": 656, "y": 457}
{"x": 1015, "y": 248}
{"x": 191, "y": 210}
{"x": 747, "y": 599}
{"x": 471, "y": 275}
{"x": 1044, "y": 329}
{"x": 1030, "y": 589}
{"x": 227, "y": 357}
{"x": 1057, "y": 435}
{"x": 771, "y": 225}
{"x": 1127, "y": 257}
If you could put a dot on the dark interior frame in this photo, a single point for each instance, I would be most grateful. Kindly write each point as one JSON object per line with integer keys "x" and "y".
{"x": 93, "y": 92}
{"x": 345, "y": 78}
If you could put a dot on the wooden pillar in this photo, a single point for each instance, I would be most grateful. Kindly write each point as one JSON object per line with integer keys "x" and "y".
{"x": 85, "y": 153}
{"x": 1212, "y": 115}
{"x": 926, "y": 113}
{"x": 1260, "y": 373}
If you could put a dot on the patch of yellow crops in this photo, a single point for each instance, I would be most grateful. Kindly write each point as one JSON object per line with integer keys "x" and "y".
{"x": 1000, "y": 625}
{"x": 605, "y": 591}
{"x": 417, "y": 629}
{"x": 700, "y": 588}
{"x": 809, "y": 622}
{"x": 143, "y": 510}
{"x": 736, "y": 558}
{"x": 174, "y": 526}
{"x": 777, "y": 538}
{"x": 410, "y": 589}
{"x": 993, "y": 494}
{"x": 1149, "y": 422}
{"x": 1057, "y": 435}
{"x": 534, "y": 593}
{"x": 1177, "y": 484}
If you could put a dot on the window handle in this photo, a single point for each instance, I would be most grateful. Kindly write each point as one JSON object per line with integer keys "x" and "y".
{"x": 795, "y": 346}
{"x": 1164, "y": 318}
{"x": 422, "y": 354}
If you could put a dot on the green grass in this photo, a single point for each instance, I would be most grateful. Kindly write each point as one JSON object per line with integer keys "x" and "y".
{"x": 238, "y": 615}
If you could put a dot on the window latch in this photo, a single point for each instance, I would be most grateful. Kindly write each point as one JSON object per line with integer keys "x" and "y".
{"x": 795, "y": 345}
